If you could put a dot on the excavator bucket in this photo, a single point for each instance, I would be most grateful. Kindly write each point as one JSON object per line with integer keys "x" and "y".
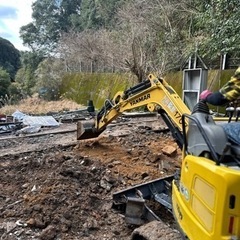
{"x": 86, "y": 130}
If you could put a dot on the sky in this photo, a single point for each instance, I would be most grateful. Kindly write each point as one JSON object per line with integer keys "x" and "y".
{"x": 13, "y": 15}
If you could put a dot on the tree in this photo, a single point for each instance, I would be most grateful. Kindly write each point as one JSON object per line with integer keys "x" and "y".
{"x": 53, "y": 18}
{"x": 89, "y": 50}
{"x": 9, "y": 57}
{"x": 154, "y": 34}
{"x": 50, "y": 20}
{"x": 25, "y": 77}
{"x": 99, "y": 14}
{"x": 151, "y": 36}
{"x": 216, "y": 25}
{"x": 31, "y": 59}
{"x": 25, "y": 81}
{"x": 15, "y": 93}
{"x": 49, "y": 78}
{"x": 5, "y": 82}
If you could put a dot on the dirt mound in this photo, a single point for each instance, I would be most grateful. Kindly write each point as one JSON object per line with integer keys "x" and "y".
{"x": 55, "y": 187}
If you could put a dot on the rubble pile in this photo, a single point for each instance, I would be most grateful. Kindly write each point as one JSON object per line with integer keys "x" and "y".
{"x": 21, "y": 123}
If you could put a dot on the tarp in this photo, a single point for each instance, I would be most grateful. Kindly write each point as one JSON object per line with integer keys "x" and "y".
{"x": 43, "y": 121}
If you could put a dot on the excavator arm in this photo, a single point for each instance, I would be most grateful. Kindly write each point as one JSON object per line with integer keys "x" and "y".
{"x": 154, "y": 93}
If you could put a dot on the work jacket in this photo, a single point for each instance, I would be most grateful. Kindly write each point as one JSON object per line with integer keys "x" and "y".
{"x": 231, "y": 90}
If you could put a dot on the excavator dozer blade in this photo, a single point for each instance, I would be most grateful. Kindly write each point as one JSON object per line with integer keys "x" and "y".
{"x": 86, "y": 130}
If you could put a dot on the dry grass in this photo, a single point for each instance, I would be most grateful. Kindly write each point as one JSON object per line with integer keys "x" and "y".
{"x": 35, "y": 105}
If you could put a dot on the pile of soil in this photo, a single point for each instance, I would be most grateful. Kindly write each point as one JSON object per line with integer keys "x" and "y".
{"x": 53, "y": 186}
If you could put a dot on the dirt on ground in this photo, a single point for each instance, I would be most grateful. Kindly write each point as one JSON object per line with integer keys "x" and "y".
{"x": 53, "y": 186}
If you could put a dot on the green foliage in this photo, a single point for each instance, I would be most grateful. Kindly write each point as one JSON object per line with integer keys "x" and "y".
{"x": 9, "y": 57}
{"x": 98, "y": 14}
{"x": 148, "y": 35}
{"x": 217, "y": 25}
{"x": 89, "y": 17}
{"x": 4, "y": 82}
{"x": 25, "y": 77}
{"x": 10, "y": 92}
{"x": 69, "y": 12}
{"x": 50, "y": 19}
{"x": 97, "y": 87}
{"x": 31, "y": 60}
{"x": 15, "y": 93}
{"x": 168, "y": 28}
{"x": 29, "y": 33}
{"x": 49, "y": 78}
{"x": 26, "y": 81}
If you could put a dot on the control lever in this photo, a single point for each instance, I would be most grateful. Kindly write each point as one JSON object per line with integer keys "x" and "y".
{"x": 227, "y": 147}
{"x": 230, "y": 111}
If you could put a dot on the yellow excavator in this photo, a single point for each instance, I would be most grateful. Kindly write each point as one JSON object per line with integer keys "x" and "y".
{"x": 204, "y": 197}
{"x": 154, "y": 93}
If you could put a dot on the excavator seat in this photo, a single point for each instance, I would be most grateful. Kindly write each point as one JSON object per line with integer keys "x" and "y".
{"x": 222, "y": 141}
{"x": 215, "y": 134}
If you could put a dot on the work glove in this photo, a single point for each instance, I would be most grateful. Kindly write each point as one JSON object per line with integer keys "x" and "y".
{"x": 205, "y": 94}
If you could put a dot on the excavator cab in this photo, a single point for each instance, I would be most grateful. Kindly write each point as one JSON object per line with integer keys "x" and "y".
{"x": 206, "y": 197}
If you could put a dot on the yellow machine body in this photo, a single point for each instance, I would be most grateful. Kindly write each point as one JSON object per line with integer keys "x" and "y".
{"x": 206, "y": 200}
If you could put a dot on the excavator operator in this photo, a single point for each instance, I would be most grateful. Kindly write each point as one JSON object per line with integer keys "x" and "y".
{"x": 228, "y": 93}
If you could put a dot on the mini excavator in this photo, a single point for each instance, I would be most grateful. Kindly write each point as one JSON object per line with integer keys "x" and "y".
{"x": 204, "y": 196}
